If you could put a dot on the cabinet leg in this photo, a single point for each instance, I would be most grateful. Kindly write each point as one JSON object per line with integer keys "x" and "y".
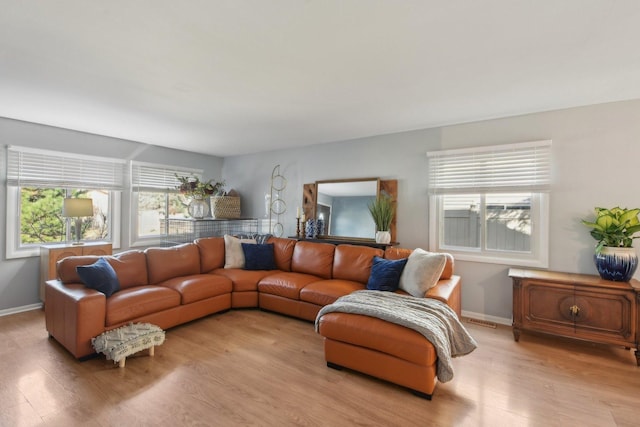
{"x": 516, "y": 334}
{"x": 637, "y": 356}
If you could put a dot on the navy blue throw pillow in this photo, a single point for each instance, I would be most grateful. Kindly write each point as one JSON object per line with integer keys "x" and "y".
{"x": 258, "y": 257}
{"x": 99, "y": 276}
{"x": 385, "y": 274}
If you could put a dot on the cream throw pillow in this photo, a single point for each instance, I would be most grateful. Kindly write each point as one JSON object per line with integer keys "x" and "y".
{"x": 422, "y": 272}
{"x": 233, "y": 253}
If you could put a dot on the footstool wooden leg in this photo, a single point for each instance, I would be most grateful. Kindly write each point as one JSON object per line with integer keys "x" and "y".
{"x": 152, "y": 351}
{"x": 122, "y": 362}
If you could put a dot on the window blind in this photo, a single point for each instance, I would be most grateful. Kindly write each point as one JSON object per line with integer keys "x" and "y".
{"x": 153, "y": 177}
{"x": 500, "y": 168}
{"x": 30, "y": 167}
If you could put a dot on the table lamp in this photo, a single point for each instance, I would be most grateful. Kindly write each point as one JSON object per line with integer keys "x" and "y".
{"x": 77, "y": 208}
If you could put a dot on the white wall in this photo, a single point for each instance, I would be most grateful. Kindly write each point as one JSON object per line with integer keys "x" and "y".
{"x": 596, "y": 152}
{"x": 19, "y": 278}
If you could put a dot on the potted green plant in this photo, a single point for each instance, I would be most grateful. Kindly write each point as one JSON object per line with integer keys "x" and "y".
{"x": 614, "y": 229}
{"x": 382, "y": 210}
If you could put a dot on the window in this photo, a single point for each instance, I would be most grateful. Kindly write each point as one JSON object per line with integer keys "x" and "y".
{"x": 154, "y": 199}
{"x": 490, "y": 204}
{"x": 37, "y": 183}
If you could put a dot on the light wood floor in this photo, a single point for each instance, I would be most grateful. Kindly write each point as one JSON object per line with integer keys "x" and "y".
{"x": 248, "y": 367}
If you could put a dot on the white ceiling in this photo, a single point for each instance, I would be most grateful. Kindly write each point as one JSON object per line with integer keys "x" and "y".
{"x": 241, "y": 76}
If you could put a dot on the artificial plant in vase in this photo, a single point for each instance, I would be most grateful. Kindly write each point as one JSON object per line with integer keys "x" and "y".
{"x": 614, "y": 229}
{"x": 197, "y": 191}
{"x": 192, "y": 187}
{"x": 382, "y": 210}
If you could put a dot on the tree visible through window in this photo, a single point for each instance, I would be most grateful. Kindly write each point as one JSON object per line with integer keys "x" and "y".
{"x": 38, "y": 182}
{"x": 41, "y": 218}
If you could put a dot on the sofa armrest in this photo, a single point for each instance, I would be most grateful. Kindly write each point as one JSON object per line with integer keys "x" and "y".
{"x": 449, "y": 292}
{"x": 73, "y": 315}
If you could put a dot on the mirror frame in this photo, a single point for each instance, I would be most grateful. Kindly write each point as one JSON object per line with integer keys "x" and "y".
{"x": 343, "y": 181}
{"x": 309, "y": 200}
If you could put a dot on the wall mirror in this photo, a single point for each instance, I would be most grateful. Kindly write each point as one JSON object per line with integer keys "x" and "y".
{"x": 311, "y": 207}
{"x": 343, "y": 205}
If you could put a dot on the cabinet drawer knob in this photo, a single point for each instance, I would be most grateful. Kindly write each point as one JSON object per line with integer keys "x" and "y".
{"x": 574, "y": 310}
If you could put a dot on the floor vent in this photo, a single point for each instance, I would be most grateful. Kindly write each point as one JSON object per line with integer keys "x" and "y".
{"x": 484, "y": 323}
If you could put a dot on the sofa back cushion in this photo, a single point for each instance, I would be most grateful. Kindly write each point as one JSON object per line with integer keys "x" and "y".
{"x": 351, "y": 262}
{"x": 282, "y": 252}
{"x": 66, "y": 267}
{"x": 313, "y": 258}
{"x": 211, "y": 253}
{"x": 397, "y": 253}
{"x": 130, "y": 268}
{"x": 176, "y": 261}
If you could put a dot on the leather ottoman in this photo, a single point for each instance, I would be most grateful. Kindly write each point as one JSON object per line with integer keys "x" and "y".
{"x": 381, "y": 349}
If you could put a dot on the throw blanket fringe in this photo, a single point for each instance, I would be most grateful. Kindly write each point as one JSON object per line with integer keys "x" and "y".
{"x": 432, "y": 318}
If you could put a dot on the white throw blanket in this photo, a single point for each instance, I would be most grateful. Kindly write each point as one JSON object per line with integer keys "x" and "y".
{"x": 432, "y": 318}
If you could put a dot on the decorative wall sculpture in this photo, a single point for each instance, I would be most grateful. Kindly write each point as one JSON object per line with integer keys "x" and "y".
{"x": 278, "y": 206}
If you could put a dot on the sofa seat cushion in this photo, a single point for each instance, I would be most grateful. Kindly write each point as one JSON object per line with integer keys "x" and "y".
{"x": 138, "y": 301}
{"x": 198, "y": 286}
{"x": 325, "y": 292}
{"x": 380, "y": 335}
{"x": 286, "y": 284}
{"x": 243, "y": 280}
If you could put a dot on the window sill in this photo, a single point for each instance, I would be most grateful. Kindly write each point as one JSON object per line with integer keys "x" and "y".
{"x": 497, "y": 259}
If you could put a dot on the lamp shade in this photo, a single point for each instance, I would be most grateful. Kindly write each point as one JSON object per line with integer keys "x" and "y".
{"x": 74, "y": 208}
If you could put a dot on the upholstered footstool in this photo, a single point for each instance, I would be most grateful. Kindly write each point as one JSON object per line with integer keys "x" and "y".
{"x": 117, "y": 344}
{"x": 381, "y": 349}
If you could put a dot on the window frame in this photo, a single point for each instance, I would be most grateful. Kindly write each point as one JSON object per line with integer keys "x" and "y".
{"x": 168, "y": 181}
{"x": 14, "y": 247}
{"x": 538, "y": 256}
{"x": 69, "y": 179}
{"x": 482, "y": 171}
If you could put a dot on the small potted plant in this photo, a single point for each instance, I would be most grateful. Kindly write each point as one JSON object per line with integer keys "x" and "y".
{"x": 382, "y": 210}
{"x": 614, "y": 229}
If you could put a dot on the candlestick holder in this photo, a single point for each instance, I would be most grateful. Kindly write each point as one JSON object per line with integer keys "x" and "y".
{"x": 297, "y": 227}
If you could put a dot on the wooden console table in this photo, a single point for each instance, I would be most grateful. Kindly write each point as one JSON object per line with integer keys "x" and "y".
{"x": 347, "y": 241}
{"x": 577, "y": 306}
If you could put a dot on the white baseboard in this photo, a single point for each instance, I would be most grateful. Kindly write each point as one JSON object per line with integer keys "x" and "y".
{"x": 487, "y": 318}
{"x": 15, "y": 310}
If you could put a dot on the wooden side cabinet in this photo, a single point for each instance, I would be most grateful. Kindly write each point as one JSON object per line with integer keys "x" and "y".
{"x": 576, "y": 306}
{"x": 51, "y": 254}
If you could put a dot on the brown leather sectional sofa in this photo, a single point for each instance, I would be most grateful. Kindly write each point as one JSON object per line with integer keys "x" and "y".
{"x": 171, "y": 286}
